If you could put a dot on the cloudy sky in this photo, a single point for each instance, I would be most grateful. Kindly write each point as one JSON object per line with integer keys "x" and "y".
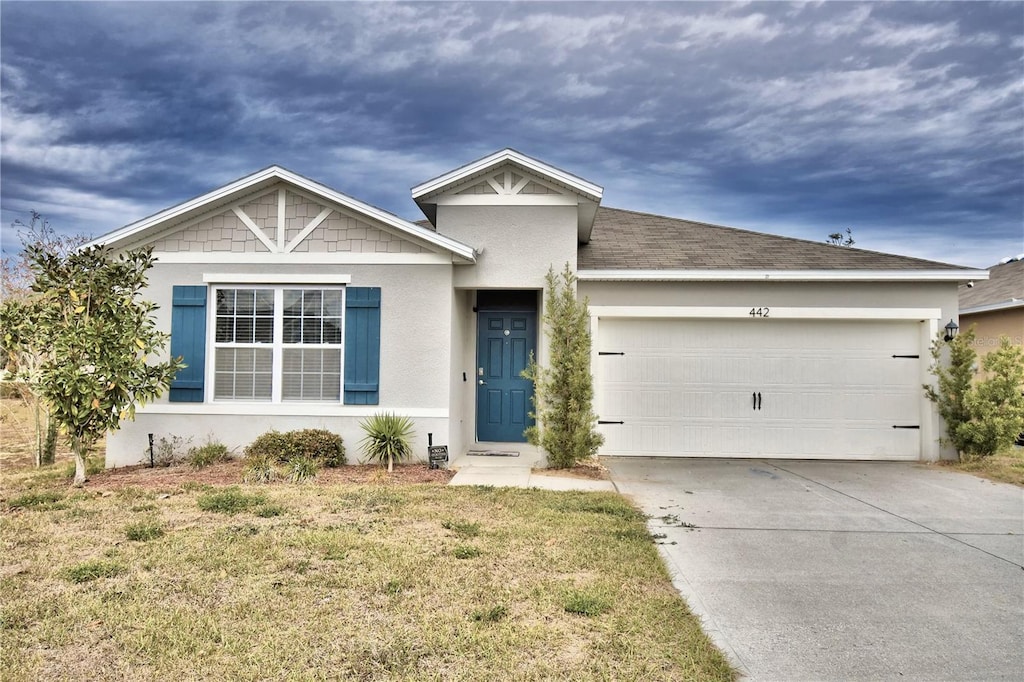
{"x": 903, "y": 122}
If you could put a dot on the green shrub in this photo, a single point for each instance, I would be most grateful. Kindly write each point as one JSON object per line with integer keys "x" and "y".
{"x": 387, "y": 438}
{"x": 206, "y": 455}
{"x": 983, "y": 416}
{"x": 585, "y": 603}
{"x": 43, "y": 499}
{"x": 563, "y": 392}
{"x": 143, "y": 531}
{"x": 319, "y": 445}
{"x": 92, "y": 570}
{"x": 229, "y": 501}
{"x": 322, "y": 446}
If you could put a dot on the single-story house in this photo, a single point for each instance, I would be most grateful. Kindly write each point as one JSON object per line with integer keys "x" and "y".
{"x": 995, "y": 307}
{"x": 297, "y": 306}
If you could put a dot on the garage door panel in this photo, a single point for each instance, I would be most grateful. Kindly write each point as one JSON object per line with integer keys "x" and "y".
{"x": 828, "y": 389}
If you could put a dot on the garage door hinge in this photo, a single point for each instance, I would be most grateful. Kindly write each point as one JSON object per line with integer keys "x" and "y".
{"x": 899, "y": 426}
{"x": 608, "y": 352}
{"x": 915, "y": 357}
{"x": 601, "y": 421}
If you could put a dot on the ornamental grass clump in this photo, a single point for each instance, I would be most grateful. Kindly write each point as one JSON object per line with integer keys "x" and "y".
{"x": 387, "y": 438}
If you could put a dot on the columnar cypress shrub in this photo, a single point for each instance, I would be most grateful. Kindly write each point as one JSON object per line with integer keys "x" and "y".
{"x": 563, "y": 396}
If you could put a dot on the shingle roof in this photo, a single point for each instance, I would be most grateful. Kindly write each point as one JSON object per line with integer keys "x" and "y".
{"x": 1005, "y": 283}
{"x": 628, "y": 240}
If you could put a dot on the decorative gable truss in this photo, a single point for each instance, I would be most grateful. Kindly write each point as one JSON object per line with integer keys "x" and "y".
{"x": 508, "y": 183}
{"x": 282, "y": 221}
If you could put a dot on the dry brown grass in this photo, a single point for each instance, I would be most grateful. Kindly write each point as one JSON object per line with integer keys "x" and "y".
{"x": 17, "y": 436}
{"x": 381, "y": 580}
{"x": 1007, "y": 467}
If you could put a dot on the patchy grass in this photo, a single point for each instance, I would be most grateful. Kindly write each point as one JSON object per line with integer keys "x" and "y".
{"x": 1007, "y": 467}
{"x": 355, "y": 579}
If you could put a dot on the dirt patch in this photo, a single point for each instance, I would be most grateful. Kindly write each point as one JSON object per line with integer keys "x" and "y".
{"x": 230, "y": 473}
{"x": 591, "y": 469}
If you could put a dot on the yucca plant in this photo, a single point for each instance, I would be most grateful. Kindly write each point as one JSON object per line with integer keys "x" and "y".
{"x": 387, "y": 438}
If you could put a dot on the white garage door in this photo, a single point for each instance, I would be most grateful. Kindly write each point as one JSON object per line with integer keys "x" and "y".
{"x": 759, "y": 388}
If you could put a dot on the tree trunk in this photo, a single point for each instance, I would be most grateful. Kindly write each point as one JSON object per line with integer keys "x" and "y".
{"x": 39, "y": 432}
{"x": 81, "y": 450}
{"x": 390, "y": 464}
{"x": 50, "y": 444}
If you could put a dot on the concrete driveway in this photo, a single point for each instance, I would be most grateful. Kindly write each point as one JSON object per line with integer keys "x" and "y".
{"x": 843, "y": 570}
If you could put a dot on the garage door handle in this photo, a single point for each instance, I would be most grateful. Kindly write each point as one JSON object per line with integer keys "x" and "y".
{"x": 759, "y": 400}
{"x": 754, "y": 395}
{"x": 602, "y": 421}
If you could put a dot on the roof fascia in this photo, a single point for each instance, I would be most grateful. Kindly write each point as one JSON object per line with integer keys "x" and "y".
{"x": 781, "y": 275}
{"x": 457, "y": 248}
{"x": 993, "y": 307}
{"x": 576, "y": 183}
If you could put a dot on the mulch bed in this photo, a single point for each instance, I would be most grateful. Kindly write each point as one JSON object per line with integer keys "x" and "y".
{"x": 229, "y": 473}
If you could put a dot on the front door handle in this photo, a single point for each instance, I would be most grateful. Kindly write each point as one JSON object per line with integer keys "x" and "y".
{"x": 482, "y": 382}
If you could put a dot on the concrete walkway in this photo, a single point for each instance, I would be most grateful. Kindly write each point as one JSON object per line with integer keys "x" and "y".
{"x": 842, "y": 570}
{"x": 503, "y": 474}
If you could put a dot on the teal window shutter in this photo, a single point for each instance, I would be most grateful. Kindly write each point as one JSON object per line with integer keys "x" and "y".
{"x": 362, "y": 345}
{"x": 188, "y": 340}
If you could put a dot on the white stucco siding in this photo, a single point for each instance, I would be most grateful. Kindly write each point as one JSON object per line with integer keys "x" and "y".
{"x": 416, "y": 319}
{"x": 516, "y": 244}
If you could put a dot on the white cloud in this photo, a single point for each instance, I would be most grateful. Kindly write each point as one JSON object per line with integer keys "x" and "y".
{"x": 935, "y": 36}
{"x": 574, "y": 88}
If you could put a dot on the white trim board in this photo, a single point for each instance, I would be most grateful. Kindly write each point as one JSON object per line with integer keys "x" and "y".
{"x": 254, "y": 278}
{"x": 780, "y": 313}
{"x": 781, "y": 275}
{"x": 993, "y": 307}
{"x": 451, "y": 178}
{"x": 296, "y": 258}
{"x": 288, "y": 409}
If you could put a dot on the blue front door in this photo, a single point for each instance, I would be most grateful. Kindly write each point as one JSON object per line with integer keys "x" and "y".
{"x": 505, "y": 342}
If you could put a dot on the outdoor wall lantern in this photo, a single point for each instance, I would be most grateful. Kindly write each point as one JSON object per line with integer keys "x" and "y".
{"x": 951, "y": 330}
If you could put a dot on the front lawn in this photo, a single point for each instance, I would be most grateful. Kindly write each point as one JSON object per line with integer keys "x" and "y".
{"x": 1007, "y": 466}
{"x": 370, "y": 581}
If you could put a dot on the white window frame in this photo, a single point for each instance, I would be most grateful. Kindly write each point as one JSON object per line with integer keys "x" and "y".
{"x": 277, "y": 347}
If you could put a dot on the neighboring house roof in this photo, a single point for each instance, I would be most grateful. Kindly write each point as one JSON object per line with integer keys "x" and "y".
{"x": 263, "y": 179}
{"x": 1003, "y": 289}
{"x": 589, "y": 193}
{"x": 632, "y": 245}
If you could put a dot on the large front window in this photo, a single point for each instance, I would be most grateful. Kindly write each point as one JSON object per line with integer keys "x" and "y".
{"x": 278, "y": 344}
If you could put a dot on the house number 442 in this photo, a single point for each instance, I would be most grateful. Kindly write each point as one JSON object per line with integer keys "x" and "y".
{"x": 759, "y": 312}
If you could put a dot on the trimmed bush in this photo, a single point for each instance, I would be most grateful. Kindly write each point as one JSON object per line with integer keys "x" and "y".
{"x": 319, "y": 445}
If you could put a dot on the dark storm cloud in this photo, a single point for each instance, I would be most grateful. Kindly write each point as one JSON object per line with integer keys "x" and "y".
{"x": 902, "y": 121}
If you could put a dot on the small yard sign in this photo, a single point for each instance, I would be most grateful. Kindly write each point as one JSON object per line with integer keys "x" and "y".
{"x": 438, "y": 454}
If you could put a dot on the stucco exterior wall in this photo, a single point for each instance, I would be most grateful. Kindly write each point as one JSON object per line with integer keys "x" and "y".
{"x": 516, "y": 244}
{"x": 416, "y": 314}
{"x": 941, "y": 295}
{"x": 988, "y": 327}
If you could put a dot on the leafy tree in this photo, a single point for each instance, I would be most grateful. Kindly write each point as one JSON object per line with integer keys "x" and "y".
{"x": 837, "y": 238}
{"x": 982, "y": 416}
{"x": 563, "y": 396}
{"x": 21, "y": 349}
{"x": 90, "y": 314}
